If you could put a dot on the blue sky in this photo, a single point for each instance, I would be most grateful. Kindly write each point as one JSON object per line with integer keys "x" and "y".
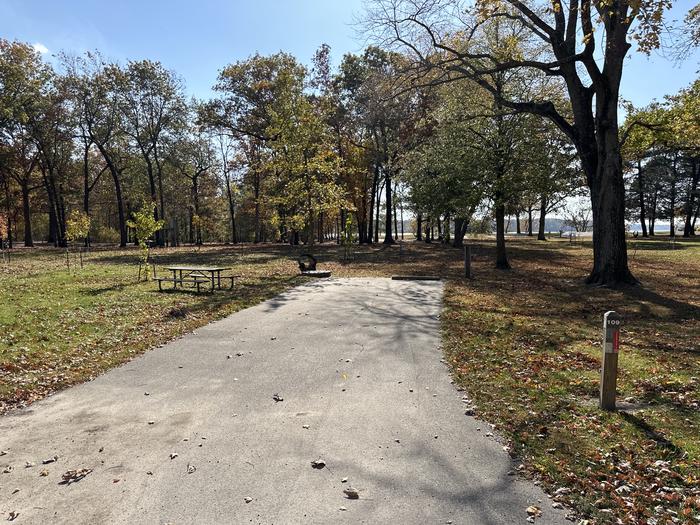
{"x": 196, "y": 38}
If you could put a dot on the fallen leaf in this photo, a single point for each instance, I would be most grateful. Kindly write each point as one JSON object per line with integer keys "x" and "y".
{"x": 72, "y": 476}
{"x": 534, "y": 510}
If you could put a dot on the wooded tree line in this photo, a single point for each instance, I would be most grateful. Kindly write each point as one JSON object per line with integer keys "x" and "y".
{"x": 461, "y": 114}
{"x": 662, "y": 153}
{"x": 283, "y": 152}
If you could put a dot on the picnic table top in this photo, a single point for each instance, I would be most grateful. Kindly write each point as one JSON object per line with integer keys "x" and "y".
{"x": 199, "y": 268}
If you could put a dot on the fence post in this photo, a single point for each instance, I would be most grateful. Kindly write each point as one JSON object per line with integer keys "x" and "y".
{"x": 467, "y": 261}
{"x": 611, "y": 347}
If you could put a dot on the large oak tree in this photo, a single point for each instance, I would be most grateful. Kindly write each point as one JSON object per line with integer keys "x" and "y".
{"x": 581, "y": 42}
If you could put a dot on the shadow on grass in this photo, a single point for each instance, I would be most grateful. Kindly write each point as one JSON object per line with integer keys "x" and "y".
{"x": 652, "y": 433}
{"x": 114, "y": 288}
{"x": 643, "y": 296}
{"x": 245, "y": 294}
{"x": 662, "y": 244}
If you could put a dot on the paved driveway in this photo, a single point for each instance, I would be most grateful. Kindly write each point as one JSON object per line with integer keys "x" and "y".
{"x": 357, "y": 364}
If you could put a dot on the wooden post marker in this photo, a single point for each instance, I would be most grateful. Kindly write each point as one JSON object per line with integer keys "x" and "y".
{"x": 611, "y": 348}
{"x": 468, "y": 261}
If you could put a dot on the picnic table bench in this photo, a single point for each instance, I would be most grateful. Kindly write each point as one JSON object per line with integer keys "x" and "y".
{"x": 197, "y": 276}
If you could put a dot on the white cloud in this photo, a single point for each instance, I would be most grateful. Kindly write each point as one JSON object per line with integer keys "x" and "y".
{"x": 41, "y": 48}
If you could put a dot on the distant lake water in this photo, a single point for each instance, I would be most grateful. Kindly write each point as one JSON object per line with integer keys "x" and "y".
{"x": 658, "y": 228}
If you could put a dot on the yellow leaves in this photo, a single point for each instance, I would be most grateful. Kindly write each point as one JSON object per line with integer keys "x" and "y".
{"x": 649, "y": 15}
{"x": 485, "y": 9}
{"x": 509, "y": 48}
{"x": 77, "y": 225}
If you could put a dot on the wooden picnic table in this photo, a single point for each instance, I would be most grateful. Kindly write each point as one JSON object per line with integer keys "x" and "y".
{"x": 188, "y": 274}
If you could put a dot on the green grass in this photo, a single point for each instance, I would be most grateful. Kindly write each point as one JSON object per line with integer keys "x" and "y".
{"x": 59, "y": 326}
{"x": 525, "y": 345}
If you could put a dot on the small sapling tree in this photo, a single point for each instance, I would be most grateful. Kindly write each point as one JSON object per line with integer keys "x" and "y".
{"x": 77, "y": 229}
{"x": 145, "y": 226}
{"x": 347, "y": 237}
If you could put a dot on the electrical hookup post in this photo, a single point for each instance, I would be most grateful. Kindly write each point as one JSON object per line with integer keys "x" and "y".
{"x": 467, "y": 261}
{"x": 611, "y": 349}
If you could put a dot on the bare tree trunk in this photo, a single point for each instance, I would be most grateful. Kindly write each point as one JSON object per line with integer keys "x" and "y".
{"x": 123, "y": 233}
{"x": 642, "y": 209}
{"x": 376, "y": 217}
{"x": 154, "y": 196}
{"x": 674, "y": 194}
{"x": 57, "y": 219}
{"x": 543, "y": 218}
{"x": 598, "y": 145}
{"x": 231, "y": 210}
{"x": 160, "y": 239}
{"x": 501, "y": 255}
{"x": 27, "y": 215}
{"x": 190, "y": 225}
{"x": 652, "y": 210}
{"x": 195, "y": 195}
{"x": 461, "y": 226}
{"x": 374, "y": 195}
{"x": 256, "y": 189}
{"x": 8, "y": 212}
{"x": 688, "y": 228}
{"x": 388, "y": 236}
{"x": 610, "y": 266}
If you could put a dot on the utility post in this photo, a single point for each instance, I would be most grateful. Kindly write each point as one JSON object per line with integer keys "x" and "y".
{"x": 611, "y": 347}
{"x": 467, "y": 261}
